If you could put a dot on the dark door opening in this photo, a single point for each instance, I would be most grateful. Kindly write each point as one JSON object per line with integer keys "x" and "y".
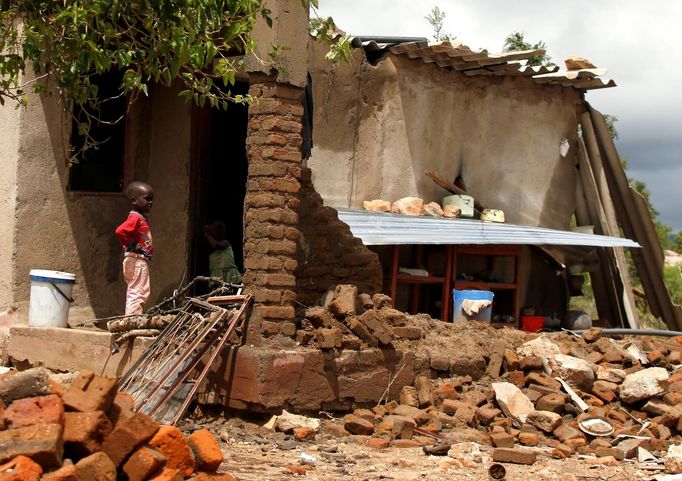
{"x": 219, "y": 175}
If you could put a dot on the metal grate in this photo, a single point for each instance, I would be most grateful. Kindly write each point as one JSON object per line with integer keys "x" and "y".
{"x": 163, "y": 381}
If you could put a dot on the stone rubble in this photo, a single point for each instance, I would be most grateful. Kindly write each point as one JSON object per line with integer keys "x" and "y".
{"x": 516, "y": 397}
{"x": 90, "y": 432}
{"x": 511, "y": 399}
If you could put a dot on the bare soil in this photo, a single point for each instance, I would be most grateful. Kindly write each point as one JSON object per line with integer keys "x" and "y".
{"x": 254, "y": 453}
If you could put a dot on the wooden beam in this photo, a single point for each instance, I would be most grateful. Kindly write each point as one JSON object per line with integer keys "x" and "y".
{"x": 615, "y": 266}
{"x": 637, "y": 225}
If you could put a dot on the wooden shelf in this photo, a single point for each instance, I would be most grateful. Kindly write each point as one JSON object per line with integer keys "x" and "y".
{"x": 408, "y": 279}
{"x": 449, "y": 253}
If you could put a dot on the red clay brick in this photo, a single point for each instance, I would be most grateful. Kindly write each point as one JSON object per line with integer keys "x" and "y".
{"x": 128, "y": 435}
{"x": 518, "y": 378}
{"x": 514, "y": 455}
{"x": 170, "y": 442}
{"x": 85, "y": 432}
{"x": 40, "y": 442}
{"x": 357, "y": 425}
{"x": 168, "y": 474}
{"x": 65, "y": 473}
{"x": 96, "y": 467}
{"x": 20, "y": 468}
{"x": 30, "y": 383}
{"x": 143, "y": 463}
{"x": 90, "y": 392}
{"x": 34, "y": 410}
{"x": 502, "y": 440}
{"x": 529, "y": 439}
{"x": 206, "y": 450}
{"x": 378, "y": 443}
{"x": 122, "y": 407}
{"x": 304, "y": 434}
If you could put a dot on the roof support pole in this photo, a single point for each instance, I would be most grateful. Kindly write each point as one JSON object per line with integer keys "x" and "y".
{"x": 637, "y": 224}
{"x": 613, "y": 274}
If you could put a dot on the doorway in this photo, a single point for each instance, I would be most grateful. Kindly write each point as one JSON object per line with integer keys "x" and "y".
{"x": 219, "y": 172}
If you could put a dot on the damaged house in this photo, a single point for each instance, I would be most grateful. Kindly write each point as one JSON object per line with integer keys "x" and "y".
{"x": 505, "y": 133}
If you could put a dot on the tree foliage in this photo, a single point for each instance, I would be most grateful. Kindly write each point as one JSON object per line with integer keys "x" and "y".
{"x": 325, "y": 29}
{"x": 516, "y": 41}
{"x": 611, "y": 124}
{"x": 150, "y": 41}
{"x": 436, "y": 18}
{"x": 200, "y": 43}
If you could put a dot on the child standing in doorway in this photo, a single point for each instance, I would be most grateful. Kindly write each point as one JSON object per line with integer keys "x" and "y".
{"x": 221, "y": 261}
{"x": 136, "y": 239}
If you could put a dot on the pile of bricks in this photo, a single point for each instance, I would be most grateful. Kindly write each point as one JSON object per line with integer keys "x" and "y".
{"x": 519, "y": 406}
{"x": 90, "y": 432}
{"x": 349, "y": 320}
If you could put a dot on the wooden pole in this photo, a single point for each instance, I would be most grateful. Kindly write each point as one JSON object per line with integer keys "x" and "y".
{"x": 638, "y": 225}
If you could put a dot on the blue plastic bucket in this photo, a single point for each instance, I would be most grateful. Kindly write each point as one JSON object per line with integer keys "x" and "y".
{"x": 461, "y": 296}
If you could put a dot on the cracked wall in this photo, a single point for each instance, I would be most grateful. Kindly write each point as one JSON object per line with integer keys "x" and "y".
{"x": 377, "y": 128}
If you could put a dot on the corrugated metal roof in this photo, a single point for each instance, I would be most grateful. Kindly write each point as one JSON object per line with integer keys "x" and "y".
{"x": 378, "y": 228}
{"x": 460, "y": 57}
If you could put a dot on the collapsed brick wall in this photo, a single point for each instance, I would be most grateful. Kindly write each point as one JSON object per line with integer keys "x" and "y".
{"x": 295, "y": 248}
{"x": 328, "y": 252}
{"x": 271, "y": 207}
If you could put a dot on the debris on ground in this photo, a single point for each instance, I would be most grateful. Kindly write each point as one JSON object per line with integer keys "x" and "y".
{"x": 524, "y": 395}
{"x": 89, "y": 431}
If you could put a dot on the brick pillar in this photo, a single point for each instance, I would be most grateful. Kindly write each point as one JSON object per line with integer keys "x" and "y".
{"x": 271, "y": 206}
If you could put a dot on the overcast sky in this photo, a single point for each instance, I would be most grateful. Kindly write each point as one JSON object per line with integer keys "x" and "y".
{"x": 637, "y": 41}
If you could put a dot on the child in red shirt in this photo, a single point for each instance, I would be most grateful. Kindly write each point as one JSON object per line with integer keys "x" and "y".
{"x": 136, "y": 240}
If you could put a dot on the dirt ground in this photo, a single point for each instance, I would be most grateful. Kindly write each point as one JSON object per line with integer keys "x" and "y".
{"x": 254, "y": 453}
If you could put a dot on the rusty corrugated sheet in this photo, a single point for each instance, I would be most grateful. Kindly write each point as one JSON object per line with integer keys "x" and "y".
{"x": 380, "y": 228}
{"x": 460, "y": 57}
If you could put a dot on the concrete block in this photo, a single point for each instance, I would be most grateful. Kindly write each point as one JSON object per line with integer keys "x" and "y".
{"x": 71, "y": 350}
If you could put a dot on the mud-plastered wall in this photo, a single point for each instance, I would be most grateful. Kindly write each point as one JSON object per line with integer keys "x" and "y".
{"x": 377, "y": 128}
{"x": 74, "y": 231}
{"x": 10, "y": 120}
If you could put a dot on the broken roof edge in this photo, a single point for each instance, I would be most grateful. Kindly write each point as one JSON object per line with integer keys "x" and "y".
{"x": 380, "y": 228}
{"x": 462, "y": 58}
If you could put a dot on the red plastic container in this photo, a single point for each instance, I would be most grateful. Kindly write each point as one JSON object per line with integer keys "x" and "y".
{"x": 532, "y": 323}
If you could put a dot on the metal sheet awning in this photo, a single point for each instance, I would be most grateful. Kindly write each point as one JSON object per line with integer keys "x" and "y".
{"x": 378, "y": 228}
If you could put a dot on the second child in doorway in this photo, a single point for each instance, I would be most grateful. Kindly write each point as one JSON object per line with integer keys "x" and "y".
{"x": 221, "y": 261}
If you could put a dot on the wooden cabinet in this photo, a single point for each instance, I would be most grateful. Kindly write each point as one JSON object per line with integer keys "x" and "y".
{"x": 447, "y": 267}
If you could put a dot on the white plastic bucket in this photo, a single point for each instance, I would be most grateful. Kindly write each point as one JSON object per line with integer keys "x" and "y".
{"x": 50, "y": 298}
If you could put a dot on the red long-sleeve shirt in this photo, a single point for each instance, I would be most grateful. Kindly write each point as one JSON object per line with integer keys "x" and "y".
{"x": 134, "y": 235}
